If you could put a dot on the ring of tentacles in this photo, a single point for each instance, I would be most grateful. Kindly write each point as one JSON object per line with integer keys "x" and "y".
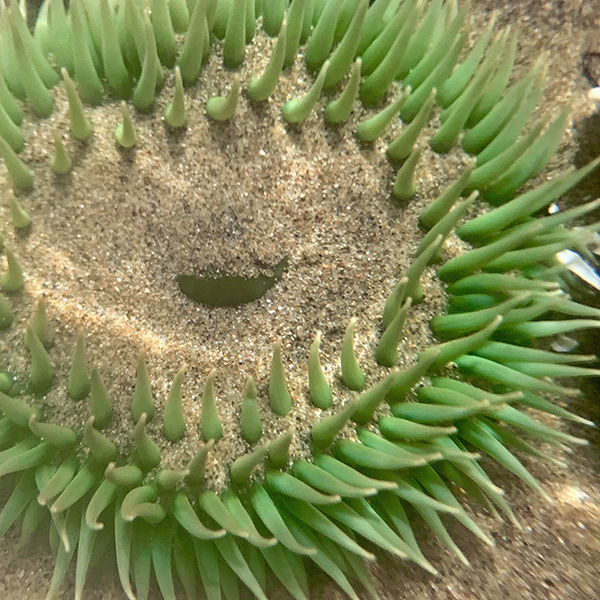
{"x": 391, "y": 446}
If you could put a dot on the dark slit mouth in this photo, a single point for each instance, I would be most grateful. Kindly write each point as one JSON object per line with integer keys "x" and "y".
{"x": 230, "y": 290}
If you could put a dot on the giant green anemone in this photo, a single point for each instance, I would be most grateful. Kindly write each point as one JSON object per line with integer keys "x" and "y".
{"x": 138, "y": 168}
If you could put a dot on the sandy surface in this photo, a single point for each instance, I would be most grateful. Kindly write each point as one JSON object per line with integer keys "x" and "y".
{"x": 109, "y": 241}
{"x": 261, "y": 187}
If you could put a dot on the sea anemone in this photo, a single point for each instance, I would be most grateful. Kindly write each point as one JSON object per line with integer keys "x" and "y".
{"x": 337, "y": 466}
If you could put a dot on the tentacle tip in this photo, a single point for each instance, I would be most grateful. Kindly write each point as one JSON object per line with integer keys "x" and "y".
{"x": 549, "y": 499}
{"x": 429, "y": 568}
{"x": 573, "y": 392}
{"x": 517, "y": 525}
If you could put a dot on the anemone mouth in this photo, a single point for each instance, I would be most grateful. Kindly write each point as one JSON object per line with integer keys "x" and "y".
{"x": 336, "y": 221}
{"x": 230, "y": 290}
